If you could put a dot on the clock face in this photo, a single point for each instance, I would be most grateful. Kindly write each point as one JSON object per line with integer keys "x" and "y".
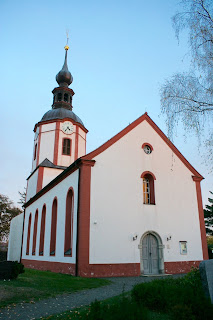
{"x": 67, "y": 127}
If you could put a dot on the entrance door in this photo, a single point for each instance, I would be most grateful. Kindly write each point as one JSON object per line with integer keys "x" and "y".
{"x": 150, "y": 254}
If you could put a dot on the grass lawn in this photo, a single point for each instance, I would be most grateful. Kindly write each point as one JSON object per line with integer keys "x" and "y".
{"x": 82, "y": 313}
{"x": 33, "y": 285}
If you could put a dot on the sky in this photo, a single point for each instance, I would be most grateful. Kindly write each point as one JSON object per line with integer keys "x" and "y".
{"x": 121, "y": 52}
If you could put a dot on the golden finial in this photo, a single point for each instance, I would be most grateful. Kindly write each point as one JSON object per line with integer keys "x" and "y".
{"x": 67, "y": 47}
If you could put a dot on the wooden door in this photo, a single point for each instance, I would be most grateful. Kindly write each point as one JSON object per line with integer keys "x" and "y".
{"x": 150, "y": 255}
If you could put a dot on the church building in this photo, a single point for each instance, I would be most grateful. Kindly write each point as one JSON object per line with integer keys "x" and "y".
{"x": 133, "y": 206}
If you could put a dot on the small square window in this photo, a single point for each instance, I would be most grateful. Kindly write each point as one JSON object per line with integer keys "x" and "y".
{"x": 183, "y": 247}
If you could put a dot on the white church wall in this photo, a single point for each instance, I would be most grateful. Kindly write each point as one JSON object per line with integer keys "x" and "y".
{"x": 50, "y": 174}
{"x": 59, "y": 191}
{"x": 32, "y": 185}
{"x": 81, "y": 143}
{"x": 47, "y": 137}
{"x": 117, "y": 211}
{"x": 15, "y": 238}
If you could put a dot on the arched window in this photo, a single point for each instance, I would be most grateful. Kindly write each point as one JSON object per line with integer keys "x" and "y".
{"x": 42, "y": 231}
{"x": 53, "y": 228}
{"x": 59, "y": 96}
{"x": 28, "y": 234}
{"x": 148, "y": 187}
{"x": 69, "y": 224}
{"x": 35, "y": 233}
{"x": 66, "y": 97}
{"x": 66, "y": 147}
{"x": 35, "y": 151}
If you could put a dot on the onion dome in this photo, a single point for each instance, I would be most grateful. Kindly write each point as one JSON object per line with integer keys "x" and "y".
{"x": 61, "y": 113}
{"x": 64, "y": 77}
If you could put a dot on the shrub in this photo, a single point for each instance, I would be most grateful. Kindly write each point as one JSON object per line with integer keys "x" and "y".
{"x": 171, "y": 295}
{"x": 10, "y": 269}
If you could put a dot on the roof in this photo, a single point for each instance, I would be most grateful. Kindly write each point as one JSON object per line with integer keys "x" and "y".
{"x": 61, "y": 113}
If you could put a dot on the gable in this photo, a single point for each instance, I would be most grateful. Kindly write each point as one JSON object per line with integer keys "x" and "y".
{"x": 131, "y": 127}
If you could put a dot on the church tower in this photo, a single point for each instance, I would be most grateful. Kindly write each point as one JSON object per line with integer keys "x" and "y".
{"x": 60, "y": 136}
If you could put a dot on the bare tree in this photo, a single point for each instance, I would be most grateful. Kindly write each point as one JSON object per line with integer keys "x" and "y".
{"x": 188, "y": 97}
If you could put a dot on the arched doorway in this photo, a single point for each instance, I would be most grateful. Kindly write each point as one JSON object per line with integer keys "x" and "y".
{"x": 151, "y": 254}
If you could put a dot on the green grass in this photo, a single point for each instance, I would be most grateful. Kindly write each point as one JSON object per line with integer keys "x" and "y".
{"x": 33, "y": 285}
{"x": 114, "y": 303}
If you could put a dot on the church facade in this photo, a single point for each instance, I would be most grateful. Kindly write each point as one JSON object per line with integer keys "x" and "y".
{"x": 133, "y": 206}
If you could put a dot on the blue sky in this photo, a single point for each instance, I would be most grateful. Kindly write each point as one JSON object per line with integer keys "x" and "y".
{"x": 120, "y": 54}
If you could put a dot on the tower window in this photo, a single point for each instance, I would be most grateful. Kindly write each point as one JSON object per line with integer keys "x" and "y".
{"x": 59, "y": 96}
{"x": 66, "y": 147}
{"x": 146, "y": 191}
{"x": 66, "y": 97}
{"x": 35, "y": 151}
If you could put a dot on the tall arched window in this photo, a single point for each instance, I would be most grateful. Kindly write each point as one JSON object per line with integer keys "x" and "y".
{"x": 28, "y": 234}
{"x": 53, "y": 228}
{"x": 69, "y": 224}
{"x": 35, "y": 233}
{"x": 42, "y": 231}
{"x": 148, "y": 187}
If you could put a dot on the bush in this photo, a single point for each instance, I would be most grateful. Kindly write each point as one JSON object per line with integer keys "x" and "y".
{"x": 171, "y": 295}
{"x": 123, "y": 309}
{"x": 10, "y": 269}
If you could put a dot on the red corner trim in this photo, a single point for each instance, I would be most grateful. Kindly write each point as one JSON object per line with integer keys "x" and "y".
{"x": 39, "y": 143}
{"x": 148, "y": 172}
{"x": 76, "y": 142}
{"x": 134, "y": 124}
{"x": 147, "y": 144}
{"x": 40, "y": 179}
{"x": 83, "y": 225}
{"x": 201, "y": 218}
{"x": 55, "y": 156}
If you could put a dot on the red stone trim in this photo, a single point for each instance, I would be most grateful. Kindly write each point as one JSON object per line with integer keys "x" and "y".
{"x": 134, "y": 124}
{"x": 177, "y": 267}
{"x": 39, "y": 143}
{"x": 148, "y": 172}
{"x": 76, "y": 142}
{"x": 147, "y": 144}
{"x": 40, "y": 179}
{"x": 108, "y": 270}
{"x": 201, "y": 218}
{"x": 59, "y": 267}
{"x": 55, "y": 155}
{"x": 83, "y": 223}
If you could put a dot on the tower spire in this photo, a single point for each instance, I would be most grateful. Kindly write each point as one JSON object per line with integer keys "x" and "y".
{"x": 64, "y": 77}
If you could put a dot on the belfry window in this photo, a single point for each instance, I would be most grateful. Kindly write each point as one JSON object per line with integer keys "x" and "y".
{"x": 59, "y": 96}
{"x": 66, "y": 97}
{"x": 66, "y": 147}
{"x": 148, "y": 188}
